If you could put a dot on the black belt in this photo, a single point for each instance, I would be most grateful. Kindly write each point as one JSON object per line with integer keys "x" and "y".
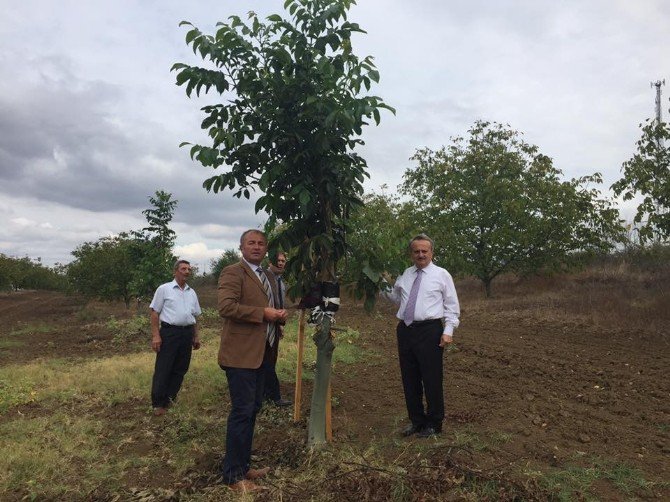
{"x": 174, "y": 326}
{"x": 418, "y": 324}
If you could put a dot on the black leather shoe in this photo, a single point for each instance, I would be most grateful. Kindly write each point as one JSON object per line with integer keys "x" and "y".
{"x": 282, "y": 402}
{"x": 410, "y": 430}
{"x": 428, "y": 432}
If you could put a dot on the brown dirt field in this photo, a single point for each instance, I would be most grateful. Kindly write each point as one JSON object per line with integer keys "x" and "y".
{"x": 535, "y": 374}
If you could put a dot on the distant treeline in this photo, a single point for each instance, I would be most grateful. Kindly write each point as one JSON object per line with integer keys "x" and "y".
{"x": 27, "y": 273}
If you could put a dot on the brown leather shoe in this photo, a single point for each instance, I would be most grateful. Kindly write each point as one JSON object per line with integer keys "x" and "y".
{"x": 245, "y": 486}
{"x": 159, "y": 412}
{"x": 257, "y": 473}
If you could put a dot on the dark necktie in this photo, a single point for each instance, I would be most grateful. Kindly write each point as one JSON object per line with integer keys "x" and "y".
{"x": 408, "y": 315}
{"x": 270, "y": 334}
{"x": 280, "y": 292}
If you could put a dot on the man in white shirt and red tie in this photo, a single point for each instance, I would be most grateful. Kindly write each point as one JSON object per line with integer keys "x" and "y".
{"x": 428, "y": 315}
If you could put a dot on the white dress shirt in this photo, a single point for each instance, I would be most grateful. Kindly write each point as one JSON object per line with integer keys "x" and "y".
{"x": 436, "y": 299}
{"x": 174, "y": 305}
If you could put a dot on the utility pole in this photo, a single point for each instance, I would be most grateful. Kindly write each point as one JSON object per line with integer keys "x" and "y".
{"x": 659, "y": 118}
{"x": 658, "y": 85}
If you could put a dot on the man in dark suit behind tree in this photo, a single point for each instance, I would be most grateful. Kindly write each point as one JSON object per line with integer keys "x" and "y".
{"x": 246, "y": 302}
{"x": 272, "y": 391}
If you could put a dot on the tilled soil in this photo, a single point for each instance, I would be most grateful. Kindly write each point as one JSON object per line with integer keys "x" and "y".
{"x": 530, "y": 386}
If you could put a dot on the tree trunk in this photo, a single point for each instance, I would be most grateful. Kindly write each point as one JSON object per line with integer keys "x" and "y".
{"x": 324, "y": 359}
{"x": 487, "y": 287}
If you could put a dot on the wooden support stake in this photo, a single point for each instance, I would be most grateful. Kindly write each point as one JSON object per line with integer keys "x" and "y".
{"x": 329, "y": 422}
{"x": 297, "y": 399}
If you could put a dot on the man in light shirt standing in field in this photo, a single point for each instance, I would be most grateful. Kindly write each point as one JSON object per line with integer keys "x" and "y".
{"x": 174, "y": 333}
{"x": 428, "y": 315}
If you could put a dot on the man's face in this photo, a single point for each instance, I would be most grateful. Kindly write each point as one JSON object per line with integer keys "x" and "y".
{"x": 278, "y": 267}
{"x": 183, "y": 272}
{"x": 422, "y": 254}
{"x": 254, "y": 247}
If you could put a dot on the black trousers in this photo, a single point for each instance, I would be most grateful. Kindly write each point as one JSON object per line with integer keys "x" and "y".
{"x": 420, "y": 359}
{"x": 246, "y": 398}
{"x": 272, "y": 391}
{"x": 172, "y": 362}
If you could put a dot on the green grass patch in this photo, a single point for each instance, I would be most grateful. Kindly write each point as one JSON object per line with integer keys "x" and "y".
{"x": 575, "y": 481}
{"x": 15, "y": 393}
{"x": 133, "y": 330}
{"x": 210, "y": 314}
{"x": 10, "y": 344}
{"x": 67, "y": 455}
{"x": 110, "y": 380}
{"x": 470, "y": 439}
{"x": 30, "y": 329}
{"x": 52, "y": 457}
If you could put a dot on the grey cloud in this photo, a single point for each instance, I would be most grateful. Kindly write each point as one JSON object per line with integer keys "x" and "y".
{"x": 62, "y": 143}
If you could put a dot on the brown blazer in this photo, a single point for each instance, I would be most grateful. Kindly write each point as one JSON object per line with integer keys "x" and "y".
{"x": 241, "y": 302}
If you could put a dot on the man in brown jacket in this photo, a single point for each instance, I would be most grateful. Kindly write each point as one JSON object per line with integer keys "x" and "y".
{"x": 246, "y": 304}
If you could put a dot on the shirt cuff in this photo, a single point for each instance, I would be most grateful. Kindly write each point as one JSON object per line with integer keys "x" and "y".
{"x": 448, "y": 330}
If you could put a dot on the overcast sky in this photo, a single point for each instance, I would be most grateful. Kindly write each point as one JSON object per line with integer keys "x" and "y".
{"x": 91, "y": 118}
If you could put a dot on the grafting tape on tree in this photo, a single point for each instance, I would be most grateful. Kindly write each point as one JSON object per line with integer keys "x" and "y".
{"x": 330, "y": 299}
{"x": 317, "y": 315}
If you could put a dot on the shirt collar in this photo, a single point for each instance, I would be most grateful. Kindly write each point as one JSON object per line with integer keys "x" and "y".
{"x": 416, "y": 269}
{"x": 251, "y": 265}
{"x": 175, "y": 285}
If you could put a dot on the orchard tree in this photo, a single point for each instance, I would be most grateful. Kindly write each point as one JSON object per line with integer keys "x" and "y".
{"x": 647, "y": 174}
{"x": 5, "y": 278}
{"x": 494, "y": 204}
{"x": 103, "y": 269}
{"x": 26, "y": 273}
{"x": 132, "y": 264}
{"x": 292, "y": 114}
{"x": 152, "y": 247}
{"x": 228, "y": 257}
{"x": 378, "y": 235}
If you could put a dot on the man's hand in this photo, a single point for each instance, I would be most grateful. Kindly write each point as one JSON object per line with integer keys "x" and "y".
{"x": 156, "y": 342}
{"x": 196, "y": 342}
{"x": 274, "y": 315}
{"x": 446, "y": 340}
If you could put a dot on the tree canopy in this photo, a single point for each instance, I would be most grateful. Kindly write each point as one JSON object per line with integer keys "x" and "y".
{"x": 495, "y": 204}
{"x": 647, "y": 174}
{"x": 132, "y": 264}
{"x": 103, "y": 269}
{"x": 228, "y": 257}
{"x": 379, "y": 232}
{"x": 293, "y": 117}
{"x": 25, "y": 273}
{"x": 152, "y": 250}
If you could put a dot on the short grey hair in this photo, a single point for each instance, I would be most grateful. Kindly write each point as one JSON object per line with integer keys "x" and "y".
{"x": 179, "y": 262}
{"x": 252, "y": 231}
{"x": 421, "y": 237}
